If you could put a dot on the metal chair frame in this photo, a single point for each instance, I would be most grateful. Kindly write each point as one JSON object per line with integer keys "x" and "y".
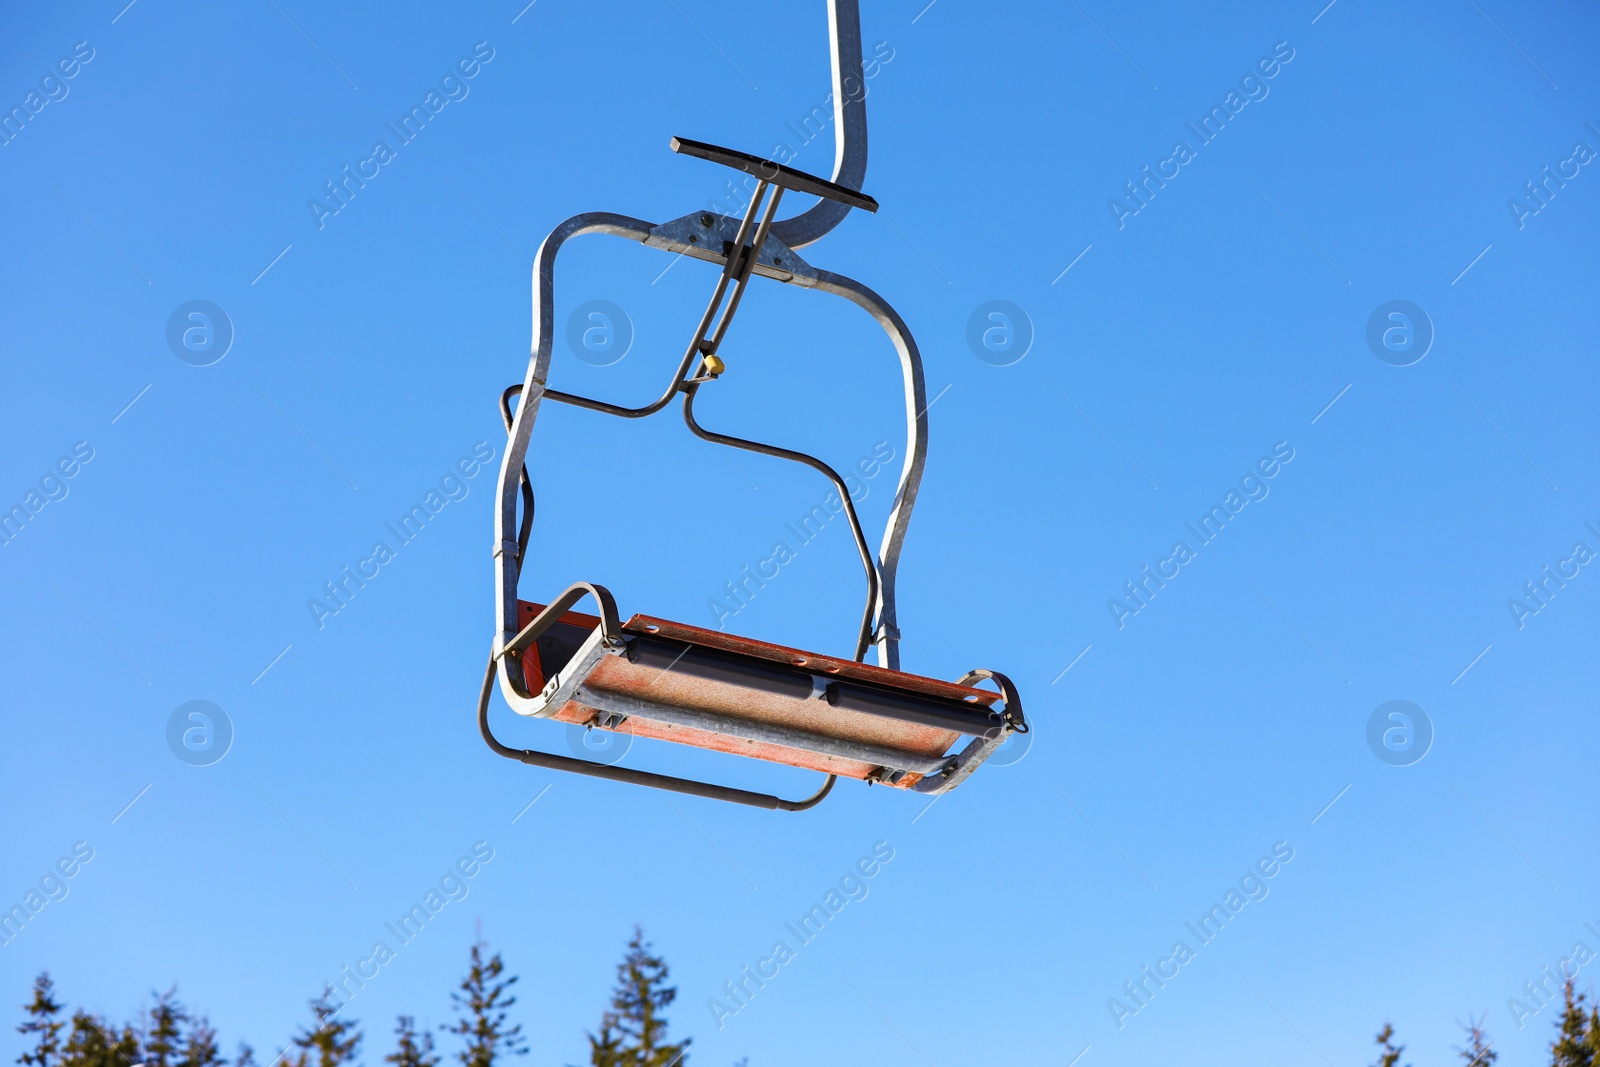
{"x": 757, "y": 244}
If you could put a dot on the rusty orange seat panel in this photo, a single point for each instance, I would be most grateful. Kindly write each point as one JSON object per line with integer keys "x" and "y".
{"x": 868, "y": 717}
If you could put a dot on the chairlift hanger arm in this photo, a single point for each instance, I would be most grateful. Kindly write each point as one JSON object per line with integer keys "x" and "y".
{"x": 849, "y": 125}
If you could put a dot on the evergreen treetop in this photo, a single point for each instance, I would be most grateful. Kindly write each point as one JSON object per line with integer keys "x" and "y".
{"x": 1478, "y": 1052}
{"x": 482, "y": 1002}
{"x": 200, "y": 1046}
{"x": 634, "y": 1032}
{"x": 163, "y": 1027}
{"x": 411, "y": 1048}
{"x": 91, "y": 1043}
{"x": 42, "y": 1020}
{"x": 1574, "y": 1045}
{"x": 1391, "y": 1052}
{"x": 334, "y": 1040}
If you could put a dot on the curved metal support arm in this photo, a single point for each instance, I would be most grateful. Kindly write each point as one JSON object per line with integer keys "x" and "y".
{"x": 887, "y": 634}
{"x": 881, "y": 599}
{"x": 508, "y": 565}
{"x": 864, "y": 639}
{"x": 849, "y": 126}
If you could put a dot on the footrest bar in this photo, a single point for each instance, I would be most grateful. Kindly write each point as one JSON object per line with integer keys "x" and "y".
{"x": 668, "y": 782}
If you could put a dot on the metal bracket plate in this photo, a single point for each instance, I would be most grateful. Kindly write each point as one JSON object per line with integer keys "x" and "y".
{"x": 709, "y": 236}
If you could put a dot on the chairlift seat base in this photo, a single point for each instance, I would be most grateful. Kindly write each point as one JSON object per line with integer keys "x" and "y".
{"x": 674, "y": 682}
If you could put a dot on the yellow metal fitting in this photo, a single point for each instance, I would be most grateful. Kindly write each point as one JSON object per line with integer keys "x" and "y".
{"x": 714, "y": 366}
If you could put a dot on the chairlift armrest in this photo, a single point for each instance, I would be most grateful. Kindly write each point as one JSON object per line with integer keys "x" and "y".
{"x": 610, "y": 626}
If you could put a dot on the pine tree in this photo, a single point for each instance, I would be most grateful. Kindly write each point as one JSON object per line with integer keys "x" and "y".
{"x": 88, "y": 1044}
{"x": 1572, "y": 1046}
{"x": 482, "y": 1002}
{"x": 412, "y": 1049}
{"x": 200, "y": 1046}
{"x": 91, "y": 1043}
{"x": 1391, "y": 1052}
{"x": 334, "y": 1040}
{"x": 165, "y": 1023}
{"x": 605, "y": 1048}
{"x": 634, "y": 1032}
{"x": 1478, "y": 1052}
{"x": 42, "y": 1020}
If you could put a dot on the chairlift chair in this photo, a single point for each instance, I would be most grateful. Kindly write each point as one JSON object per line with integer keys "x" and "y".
{"x": 655, "y": 678}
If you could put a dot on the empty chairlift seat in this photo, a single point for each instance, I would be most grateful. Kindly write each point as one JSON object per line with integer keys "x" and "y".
{"x": 654, "y": 678}
{"x": 675, "y": 682}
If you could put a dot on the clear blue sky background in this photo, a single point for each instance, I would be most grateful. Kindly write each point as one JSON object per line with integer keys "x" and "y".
{"x": 1176, "y": 351}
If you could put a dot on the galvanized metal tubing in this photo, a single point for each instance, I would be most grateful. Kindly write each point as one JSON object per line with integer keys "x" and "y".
{"x": 771, "y": 253}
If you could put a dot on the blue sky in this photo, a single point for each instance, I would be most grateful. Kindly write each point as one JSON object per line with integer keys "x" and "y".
{"x": 1227, "y": 318}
